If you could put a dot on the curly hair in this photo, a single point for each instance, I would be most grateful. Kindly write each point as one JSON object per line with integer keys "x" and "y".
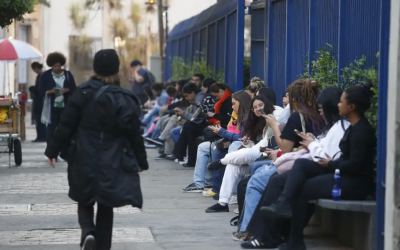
{"x": 303, "y": 99}
{"x": 55, "y": 57}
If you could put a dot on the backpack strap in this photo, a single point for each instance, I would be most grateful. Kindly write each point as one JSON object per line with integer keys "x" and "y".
{"x": 101, "y": 91}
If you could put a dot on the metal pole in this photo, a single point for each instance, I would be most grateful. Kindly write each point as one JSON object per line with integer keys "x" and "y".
{"x": 161, "y": 36}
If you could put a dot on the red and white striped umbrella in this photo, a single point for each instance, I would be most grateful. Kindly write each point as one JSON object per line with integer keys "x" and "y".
{"x": 12, "y": 49}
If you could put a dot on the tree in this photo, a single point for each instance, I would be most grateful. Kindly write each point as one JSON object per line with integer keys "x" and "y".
{"x": 14, "y": 9}
{"x": 135, "y": 17}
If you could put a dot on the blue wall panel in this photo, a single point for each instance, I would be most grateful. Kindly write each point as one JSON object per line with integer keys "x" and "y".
{"x": 221, "y": 45}
{"x": 230, "y": 66}
{"x": 196, "y": 43}
{"x": 325, "y": 19}
{"x": 188, "y": 55}
{"x": 203, "y": 42}
{"x": 212, "y": 45}
{"x": 297, "y": 39}
{"x": 182, "y": 47}
{"x": 359, "y": 31}
{"x": 277, "y": 48}
{"x": 257, "y": 43}
{"x": 168, "y": 62}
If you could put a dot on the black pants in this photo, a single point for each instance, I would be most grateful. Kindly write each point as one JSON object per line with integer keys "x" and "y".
{"x": 189, "y": 133}
{"x": 55, "y": 119}
{"x": 102, "y": 231}
{"x": 306, "y": 181}
{"x": 41, "y": 130}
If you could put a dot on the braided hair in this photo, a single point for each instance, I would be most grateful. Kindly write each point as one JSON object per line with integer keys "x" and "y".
{"x": 303, "y": 99}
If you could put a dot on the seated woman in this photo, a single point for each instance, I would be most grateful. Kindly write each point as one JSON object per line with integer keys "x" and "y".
{"x": 191, "y": 130}
{"x": 219, "y": 174}
{"x": 255, "y": 84}
{"x": 254, "y": 132}
{"x": 327, "y": 142}
{"x": 240, "y": 105}
{"x": 159, "y": 91}
{"x": 289, "y": 192}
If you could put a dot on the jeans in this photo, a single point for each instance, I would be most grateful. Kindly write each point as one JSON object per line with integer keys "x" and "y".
{"x": 257, "y": 165}
{"x": 219, "y": 174}
{"x": 201, "y": 175}
{"x": 255, "y": 188}
{"x": 148, "y": 118}
{"x": 175, "y": 133}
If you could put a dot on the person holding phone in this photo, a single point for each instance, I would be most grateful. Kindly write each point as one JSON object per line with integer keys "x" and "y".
{"x": 59, "y": 85}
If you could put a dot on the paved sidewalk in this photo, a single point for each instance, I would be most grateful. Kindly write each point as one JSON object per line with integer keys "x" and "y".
{"x": 36, "y": 213}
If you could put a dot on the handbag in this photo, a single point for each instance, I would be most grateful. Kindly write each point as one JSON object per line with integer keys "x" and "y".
{"x": 46, "y": 112}
{"x": 209, "y": 135}
{"x": 198, "y": 116}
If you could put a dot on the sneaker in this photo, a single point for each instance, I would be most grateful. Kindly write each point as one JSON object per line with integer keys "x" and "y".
{"x": 183, "y": 162}
{"x": 161, "y": 157}
{"x": 236, "y": 211}
{"x": 156, "y": 141}
{"x": 209, "y": 193}
{"x": 281, "y": 209}
{"x": 192, "y": 188}
{"x": 89, "y": 243}
{"x": 206, "y": 187}
{"x": 147, "y": 145}
{"x": 240, "y": 236}
{"x": 170, "y": 157}
{"x": 217, "y": 208}
{"x": 185, "y": 165}
{"x": 233, "y": 200}
{"x": 256, "y": 244}
{"x": 216, "y": 165}
{"x": 216, "y": 197}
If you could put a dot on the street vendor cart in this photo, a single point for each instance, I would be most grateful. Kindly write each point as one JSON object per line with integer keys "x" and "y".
{"x": 10, "y": 141}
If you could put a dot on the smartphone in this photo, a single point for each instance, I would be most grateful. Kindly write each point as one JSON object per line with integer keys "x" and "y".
{"x": 263, "y": 112}
{"x": 232, "y": 117}
{"x": 263, "y": 149}
{"x": 56, "y": 88}
{"x": 317, "y": 157}
{"x": 218, "y": 123}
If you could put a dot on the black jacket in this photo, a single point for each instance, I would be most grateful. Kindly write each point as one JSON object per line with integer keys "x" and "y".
{"x": 103, "y": 161}
{"x": 47, "y": 83}
{"x": 358, "y": 147}
{"x": 37, "y": 99}
{"x": 223, "y": 116}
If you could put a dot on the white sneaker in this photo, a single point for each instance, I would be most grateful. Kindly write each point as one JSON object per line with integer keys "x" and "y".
{"x": 236, "y": 211}
{"x": 233, "y": 200}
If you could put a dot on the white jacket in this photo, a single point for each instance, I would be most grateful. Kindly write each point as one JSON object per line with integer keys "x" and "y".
{"x": 330, "y": 143}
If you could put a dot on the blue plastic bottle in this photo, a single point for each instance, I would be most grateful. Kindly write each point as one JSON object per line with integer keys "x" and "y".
{"x": 337, "y": 186}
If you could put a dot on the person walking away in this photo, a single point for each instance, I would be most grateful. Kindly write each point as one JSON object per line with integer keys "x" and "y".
{"x": 37, "y": 104}
{"x": 101, "y": 127}
{"x": 141, "y": 78}
{"x": 59, "y": 85}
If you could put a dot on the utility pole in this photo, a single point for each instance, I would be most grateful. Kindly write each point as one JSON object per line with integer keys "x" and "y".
{"x": 161, "y": 36}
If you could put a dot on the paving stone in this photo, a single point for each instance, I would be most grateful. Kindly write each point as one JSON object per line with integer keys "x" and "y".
{"x": 53, "y": 209}
{"x": 69, "y": 236}
{"x": 34, "y": 184}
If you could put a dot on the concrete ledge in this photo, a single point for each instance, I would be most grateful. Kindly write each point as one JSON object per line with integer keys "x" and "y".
{"x": 353, "y": 206}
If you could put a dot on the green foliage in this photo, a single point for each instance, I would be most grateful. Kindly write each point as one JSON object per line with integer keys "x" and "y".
{"x": 246, "y": 72}
{"x": 14, "y": 9}
{"x": 324, "y": 69}
{"x": 182, "y": 69}
{"x": 357, "y": 73}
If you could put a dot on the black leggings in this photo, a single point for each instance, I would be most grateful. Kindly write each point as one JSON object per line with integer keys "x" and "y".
{"x": 104, "y": 224}
{"x": 306, "y": 181}
{"x": 187, "y": 139}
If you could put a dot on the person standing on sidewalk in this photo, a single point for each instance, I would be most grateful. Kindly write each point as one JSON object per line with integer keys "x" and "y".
{"x": 37, "y": 104}
{"x": 59, "y": 85}
{"x": 101, "y": 130}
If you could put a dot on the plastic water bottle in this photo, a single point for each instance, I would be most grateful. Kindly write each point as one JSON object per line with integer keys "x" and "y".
{"x": 337, "y": 186}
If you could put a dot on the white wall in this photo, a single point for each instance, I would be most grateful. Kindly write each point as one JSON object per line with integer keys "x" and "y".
{"x": 180, "y": 10}
{"x": 57, "y": 27}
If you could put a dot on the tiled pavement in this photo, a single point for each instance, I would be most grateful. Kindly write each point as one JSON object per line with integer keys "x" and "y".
{"x": 36, "y": 213}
